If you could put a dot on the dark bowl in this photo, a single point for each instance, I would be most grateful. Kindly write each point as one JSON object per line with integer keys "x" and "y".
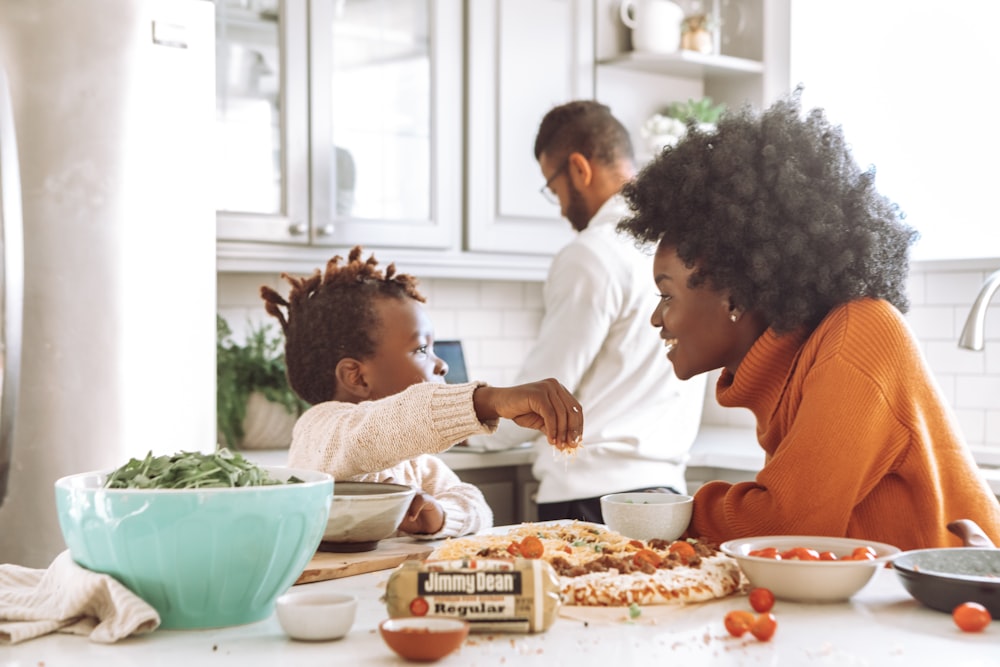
{"x": 942, "y": 579}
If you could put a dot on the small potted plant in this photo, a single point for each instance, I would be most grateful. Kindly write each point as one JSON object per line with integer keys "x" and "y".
{"x": 256, "y": 409}
{"x": 667, "y": 126}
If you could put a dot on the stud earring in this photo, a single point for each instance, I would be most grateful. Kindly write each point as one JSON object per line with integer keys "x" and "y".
{"x": 733, "y": 317}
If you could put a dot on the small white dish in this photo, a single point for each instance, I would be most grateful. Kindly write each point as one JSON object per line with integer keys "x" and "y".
{"x": 643, "y": 515}
{"x": 316, "y": 616}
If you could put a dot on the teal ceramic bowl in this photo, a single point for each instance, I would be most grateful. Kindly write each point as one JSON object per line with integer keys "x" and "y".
{"x": 203, "y": 558}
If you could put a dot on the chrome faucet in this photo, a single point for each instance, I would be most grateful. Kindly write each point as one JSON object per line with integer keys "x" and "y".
{"x": 975, "y": 324}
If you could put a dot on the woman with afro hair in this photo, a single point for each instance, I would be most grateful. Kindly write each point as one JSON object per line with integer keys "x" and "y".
{"x": 779, "y": 262}
{"x": 359, "y": 347}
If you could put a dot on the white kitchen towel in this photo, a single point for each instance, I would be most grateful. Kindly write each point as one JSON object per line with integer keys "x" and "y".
{"x": 72, "y": 599}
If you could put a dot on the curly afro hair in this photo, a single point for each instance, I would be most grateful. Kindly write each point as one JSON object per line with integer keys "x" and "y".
{"x": 331, "y": 316}
{"x": 772, "y": 208}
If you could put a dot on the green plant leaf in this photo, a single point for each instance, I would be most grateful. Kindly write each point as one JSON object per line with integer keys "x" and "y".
{"x": 256, "y": 365}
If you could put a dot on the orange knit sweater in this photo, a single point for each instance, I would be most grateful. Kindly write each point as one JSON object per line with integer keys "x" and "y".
{"x": 858, "y": 440}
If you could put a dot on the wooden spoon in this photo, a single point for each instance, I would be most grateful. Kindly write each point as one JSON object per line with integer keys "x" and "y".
{"x": 970, "y": 533}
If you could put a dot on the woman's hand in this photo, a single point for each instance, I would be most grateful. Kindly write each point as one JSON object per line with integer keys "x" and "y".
{"x": 546, "y": 406}
{"x": 424, "y": 516}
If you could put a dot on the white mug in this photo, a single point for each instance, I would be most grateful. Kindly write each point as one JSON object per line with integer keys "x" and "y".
{"x": 655, "y": 24}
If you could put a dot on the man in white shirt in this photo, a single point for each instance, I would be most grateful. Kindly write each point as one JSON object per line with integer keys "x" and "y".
{"x": 596, "y": 337}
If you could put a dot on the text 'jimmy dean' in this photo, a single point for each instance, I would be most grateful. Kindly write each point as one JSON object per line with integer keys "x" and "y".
{"x": 469, "y": 583}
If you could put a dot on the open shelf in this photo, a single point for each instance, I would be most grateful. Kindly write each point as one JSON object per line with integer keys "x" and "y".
{"x": 686, "y": 64}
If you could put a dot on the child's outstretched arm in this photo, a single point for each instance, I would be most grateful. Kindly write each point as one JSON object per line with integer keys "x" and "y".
{"x": 546, "y": 406}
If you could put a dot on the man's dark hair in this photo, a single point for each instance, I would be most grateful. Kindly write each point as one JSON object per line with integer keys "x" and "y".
{"x": 773, "y": 208}
{"x": 331, "y": 316}
{"x": 586, "y": 127}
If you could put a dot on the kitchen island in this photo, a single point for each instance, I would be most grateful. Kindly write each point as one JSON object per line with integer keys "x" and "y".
{"x": 881, "y": 625}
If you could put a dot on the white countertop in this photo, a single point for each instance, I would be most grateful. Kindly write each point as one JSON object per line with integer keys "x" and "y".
{"x": 881, "y": 625}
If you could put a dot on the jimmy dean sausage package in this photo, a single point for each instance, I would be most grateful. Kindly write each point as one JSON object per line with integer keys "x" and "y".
{"x": 493, "y": 595}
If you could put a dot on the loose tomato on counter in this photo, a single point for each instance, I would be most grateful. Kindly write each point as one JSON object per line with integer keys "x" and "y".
{"x": 971, "y": 617}
{"x": 764, "y": 626}
{"x": 738, "y": 622}
{"x": 761, "y": 599}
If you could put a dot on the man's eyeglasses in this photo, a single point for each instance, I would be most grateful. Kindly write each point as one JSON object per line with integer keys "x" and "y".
{"x": 546, "y": 190}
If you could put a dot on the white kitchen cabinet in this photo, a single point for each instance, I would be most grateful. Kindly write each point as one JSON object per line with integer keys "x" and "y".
{"x": 524, "y": 57}
{"x": 339, "y": 124}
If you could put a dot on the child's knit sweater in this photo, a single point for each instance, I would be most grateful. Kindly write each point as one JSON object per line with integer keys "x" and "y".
{"x": 394, "y": 437}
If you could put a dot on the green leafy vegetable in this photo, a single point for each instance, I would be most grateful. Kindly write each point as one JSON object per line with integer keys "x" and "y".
{"x": 191, "y": 470}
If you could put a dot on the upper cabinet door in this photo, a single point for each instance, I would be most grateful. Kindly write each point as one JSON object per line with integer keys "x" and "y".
{"x": 262, "y": 186}
{"x": 524, "y": 57}
{"x": 386, "y": 139}
{"x": 340, "y": 123}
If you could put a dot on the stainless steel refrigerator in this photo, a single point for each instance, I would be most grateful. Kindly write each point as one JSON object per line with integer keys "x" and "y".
{"x": 108, "y": 332}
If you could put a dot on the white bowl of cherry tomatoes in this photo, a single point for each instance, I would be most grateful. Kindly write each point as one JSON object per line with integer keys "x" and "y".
{"x": 808, "y": 568}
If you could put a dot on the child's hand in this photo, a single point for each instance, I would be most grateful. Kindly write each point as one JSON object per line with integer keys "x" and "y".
{"x": 546, "y": 406}
{"x": 424, "y": 516}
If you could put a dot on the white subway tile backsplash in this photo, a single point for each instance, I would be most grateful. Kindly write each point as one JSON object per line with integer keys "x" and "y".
{"x": 455, "y": 294}
{"x": 973, "y": 424}
{"x": 977, "y": 391}
{"x": 931, "y": 322}
{"x": 533, "y": 297}
{"x": 498, "y": 321}
{"x": 947, "y": 357}
{"x": 479, "y": 323}
{"x": 993, "y": 424}
{"x": 521, "y": 323}
{"x": 916, "y": 289}
{"x": 953, "y": 287}
{"x": 501, "y": 295}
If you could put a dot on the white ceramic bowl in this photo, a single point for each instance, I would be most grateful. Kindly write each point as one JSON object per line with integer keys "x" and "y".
{"x": 362, "y": 513}
{"x": 647, "y": 516}
{"x": 808, "y": 580}
{"x": 316, "y": 616}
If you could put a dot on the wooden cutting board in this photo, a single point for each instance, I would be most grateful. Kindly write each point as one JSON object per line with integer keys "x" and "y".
{"x": 388, "y": 554}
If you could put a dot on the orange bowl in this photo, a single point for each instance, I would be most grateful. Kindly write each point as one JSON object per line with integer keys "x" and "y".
{"x": 424, "y": 638}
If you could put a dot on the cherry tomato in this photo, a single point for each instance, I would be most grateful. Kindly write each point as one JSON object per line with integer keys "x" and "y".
{"x": 768, "y": 552}
{"x": 683, "y": 549}
{"x": 514, "y": 549}
{"x": 862, "y": 553}
{"x": 638, "y": 544}
{"x": 738, "y": 622}
{"x": 647, "y": 556}
{"x": 764, "y": 626}
{"x": 532, "y": 547}
{"x": 761, "y": 599}
{"x": 971, "y": 617}
{"x": 827, "y": 555}
{"x": 800, "y": 553}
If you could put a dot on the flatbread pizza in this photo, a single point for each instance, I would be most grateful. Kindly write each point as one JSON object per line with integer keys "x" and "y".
{"x": 599, "y": 567}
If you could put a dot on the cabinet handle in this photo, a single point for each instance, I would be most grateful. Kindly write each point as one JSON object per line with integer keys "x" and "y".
{"x": 325, "y": 230}
{"x": 297, "y": 229}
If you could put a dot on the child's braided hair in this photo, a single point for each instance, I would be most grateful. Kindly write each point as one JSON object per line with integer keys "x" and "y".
{"x": 331, "y": 316}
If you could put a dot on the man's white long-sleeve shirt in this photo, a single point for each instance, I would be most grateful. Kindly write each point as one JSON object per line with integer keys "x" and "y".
{"x": 595, "y": 337}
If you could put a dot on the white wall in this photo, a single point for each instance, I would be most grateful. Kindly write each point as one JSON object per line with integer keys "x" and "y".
{"x": 497, "y": 321}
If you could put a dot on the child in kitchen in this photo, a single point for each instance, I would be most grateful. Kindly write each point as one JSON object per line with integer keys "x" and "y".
{"x": 359, "y": 347}
{"x": 779, "y": 262}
